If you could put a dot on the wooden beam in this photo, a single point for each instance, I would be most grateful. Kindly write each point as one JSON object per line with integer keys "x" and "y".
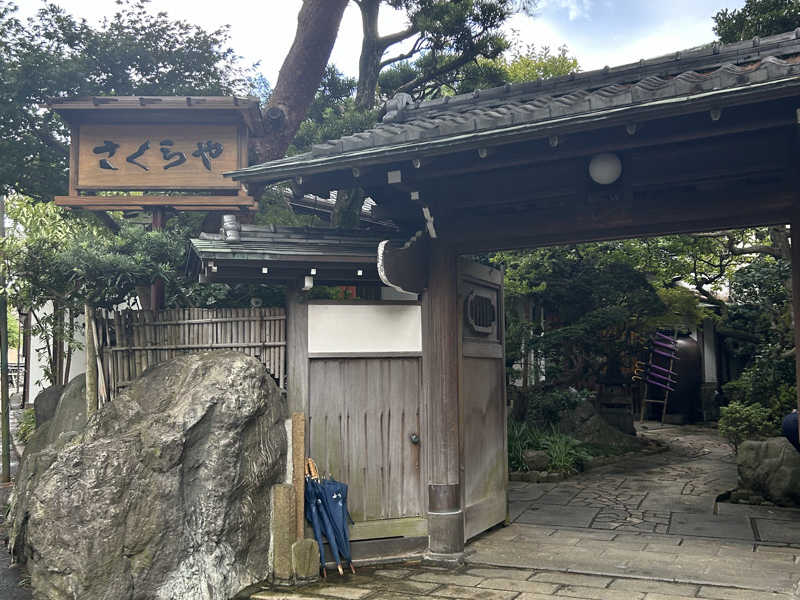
{"x": 678, "y": 210}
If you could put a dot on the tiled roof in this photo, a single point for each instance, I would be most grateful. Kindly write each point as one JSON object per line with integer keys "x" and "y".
{"x": 289, "y": 243}
{"x": 708, "y": 69}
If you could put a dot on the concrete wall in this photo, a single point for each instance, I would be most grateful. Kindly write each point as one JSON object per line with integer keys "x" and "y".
{"x": 364, "y": 328}
{"x": 39, "y": 359}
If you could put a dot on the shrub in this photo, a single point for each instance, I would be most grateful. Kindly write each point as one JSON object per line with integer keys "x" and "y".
{"x": 26, "y": 426}
{"x": 546, "y": 405}
{"x": 567, "y": 454}
{"x": 739, "y": 422}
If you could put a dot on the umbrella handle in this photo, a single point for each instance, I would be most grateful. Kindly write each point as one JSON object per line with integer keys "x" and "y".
{"x": 311, "y": 468}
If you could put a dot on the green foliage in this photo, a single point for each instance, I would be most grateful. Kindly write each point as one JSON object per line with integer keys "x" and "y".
{"x": 26, "y": 426}
{"x": 566, "y": 454}
{"x": 546, "y": 403}
{"x": 739, "y": 422}
{"x": 768, "y": 382}
{"x": 53, "y": 55}
{"x": 523, "y": 63}
{"x": 13, "y": 327}
{"x": 757, "y": 18}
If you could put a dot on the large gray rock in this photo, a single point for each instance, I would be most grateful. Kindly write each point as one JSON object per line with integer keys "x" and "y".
{"x": 771, "y": 469}
{"x": 46, "y": 402}
{"x": 163, "y": 494}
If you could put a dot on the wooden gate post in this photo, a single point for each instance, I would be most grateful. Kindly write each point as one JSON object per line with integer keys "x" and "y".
{"x": 440, "y": 368}
{"x": 795, "y": 229}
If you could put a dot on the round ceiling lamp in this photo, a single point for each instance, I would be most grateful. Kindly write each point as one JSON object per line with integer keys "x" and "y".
{"x": 605, "y": 168}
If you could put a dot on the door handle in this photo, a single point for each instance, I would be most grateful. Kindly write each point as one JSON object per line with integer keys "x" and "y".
{"x": 414, "y": 438}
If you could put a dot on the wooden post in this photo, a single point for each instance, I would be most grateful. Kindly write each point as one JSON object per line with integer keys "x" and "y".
{"x": 440, "y": 368}
{"x": 26, "y": 348}
{"x": 5, "y": 430}
{"x": 796, "y": 301}
{"x": 157, "y": 288}
{"x": 91, "y": 362}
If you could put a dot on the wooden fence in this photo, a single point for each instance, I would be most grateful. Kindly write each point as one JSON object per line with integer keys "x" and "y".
{"x": 130, "y": 341}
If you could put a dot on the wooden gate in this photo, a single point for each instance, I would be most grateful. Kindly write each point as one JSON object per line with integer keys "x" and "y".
{"x": 363, "y": 412}
{"x": 132, "y": 340}
{"x": 482, "y": 398}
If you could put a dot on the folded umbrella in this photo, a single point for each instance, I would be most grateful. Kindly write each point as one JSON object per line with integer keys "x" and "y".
{"x": 335, "y": 504}
{"x": 315, "y": 495}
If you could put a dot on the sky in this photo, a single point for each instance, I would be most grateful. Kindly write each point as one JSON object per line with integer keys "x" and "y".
{"x": 597, "y": 32}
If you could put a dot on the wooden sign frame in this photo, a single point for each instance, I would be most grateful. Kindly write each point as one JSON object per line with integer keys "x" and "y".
{"x": 165, "y": 152}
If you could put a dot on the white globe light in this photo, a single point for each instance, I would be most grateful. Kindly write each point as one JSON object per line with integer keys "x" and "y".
{"x": 605, "y": 168}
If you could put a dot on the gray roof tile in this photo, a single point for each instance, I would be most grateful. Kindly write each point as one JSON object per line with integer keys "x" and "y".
{"x": 697, "y": 70}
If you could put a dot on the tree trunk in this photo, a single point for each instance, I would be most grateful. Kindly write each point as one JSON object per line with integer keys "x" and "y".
{"x": 299, "y": 77}
{"x": 369, "y": 63}
{"x": 347, "y": 210}
{"x": 91, "y": 363}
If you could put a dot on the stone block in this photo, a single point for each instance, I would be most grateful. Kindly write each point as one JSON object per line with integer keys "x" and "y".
{"x": 305, "y": 559}
{"x": 282, "y": 532}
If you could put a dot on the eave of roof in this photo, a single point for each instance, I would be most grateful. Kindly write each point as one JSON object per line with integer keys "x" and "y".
{"x": 73, "y": 109}
{"x": 682, "y": 81}
{"x": 307, "y": 163}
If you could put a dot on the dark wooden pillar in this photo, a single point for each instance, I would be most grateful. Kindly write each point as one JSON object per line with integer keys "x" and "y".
{"x": 795, "y": 233}
{"x": 157, "y": 288}
{"x": 441, "y": 332}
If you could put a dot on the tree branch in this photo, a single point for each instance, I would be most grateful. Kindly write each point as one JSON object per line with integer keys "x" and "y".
{"x": 393, "y": 38}
{"x": 414, "y": 50}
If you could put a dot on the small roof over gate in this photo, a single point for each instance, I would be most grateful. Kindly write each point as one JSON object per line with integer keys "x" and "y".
{"x": 287, "y": 254}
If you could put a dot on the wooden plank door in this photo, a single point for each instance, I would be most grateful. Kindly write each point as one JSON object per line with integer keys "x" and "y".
{"x": 364, "y": 429}
{"x": 482, "y": 397}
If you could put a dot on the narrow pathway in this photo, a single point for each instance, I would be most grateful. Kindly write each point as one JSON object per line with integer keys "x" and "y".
{"x": 647, "y": 528}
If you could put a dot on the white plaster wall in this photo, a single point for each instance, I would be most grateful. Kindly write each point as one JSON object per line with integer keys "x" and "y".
{"x": 375, "y": 328}
{"x": 77, "y": 366}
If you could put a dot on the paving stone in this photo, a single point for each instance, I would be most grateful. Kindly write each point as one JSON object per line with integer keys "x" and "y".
{"x": 447, "y": 578}
{"x": 393, "y": 573}
{"x": 657, "y": 596}
{"x": 408, "y": 587}
{"x": 624, "y": 538}
{"x": 519, "y": 574}
{"x": 762, "y": 549}
{"x": 587, "y": 593}
{"x": 733, "y": 527}
{"x": 572, "y": 579}
{"x": 534, "y": 596}
{"x": 455, "y": 591}
{"x": 580, "y": 516}
{"x": 772, "y": 530}
{"x": 392, "y": 596}
{"x": 515, "y": 585}
{"x": 282, "y": 596}
{"x": 726, "y": 593}
{"x": 341, "y": 591}
{"x": 650, "y": 586}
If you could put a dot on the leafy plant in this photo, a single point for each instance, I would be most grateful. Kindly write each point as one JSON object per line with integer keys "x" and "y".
{"x": 739, "y": 422}
{"x": 567, "y": 455}
{"x": 521, "y": 437}
{"x": 26, "y": 426}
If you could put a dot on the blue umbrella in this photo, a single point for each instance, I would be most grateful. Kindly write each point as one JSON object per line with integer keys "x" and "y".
{"x": 319, "y": 517}
{"x": 335, "y": 504}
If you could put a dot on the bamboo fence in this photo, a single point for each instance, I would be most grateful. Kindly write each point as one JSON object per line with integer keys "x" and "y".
{"x": 131, "y": 341}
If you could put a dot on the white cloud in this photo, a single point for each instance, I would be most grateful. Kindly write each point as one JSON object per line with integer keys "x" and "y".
{"x": 576, "y": 9}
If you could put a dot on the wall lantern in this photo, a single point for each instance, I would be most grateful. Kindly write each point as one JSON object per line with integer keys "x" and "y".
{"x": 605, "y": 168}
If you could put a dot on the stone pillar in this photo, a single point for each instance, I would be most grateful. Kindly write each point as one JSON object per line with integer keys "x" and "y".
{"x": 440, "y": 368}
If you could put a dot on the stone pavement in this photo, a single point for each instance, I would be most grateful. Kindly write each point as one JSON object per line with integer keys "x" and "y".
{"x": 646, "y": 528}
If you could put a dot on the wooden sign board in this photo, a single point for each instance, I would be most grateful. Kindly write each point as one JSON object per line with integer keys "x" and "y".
{"x": 167, "y": 151}
{"x": 158, "y": 156}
